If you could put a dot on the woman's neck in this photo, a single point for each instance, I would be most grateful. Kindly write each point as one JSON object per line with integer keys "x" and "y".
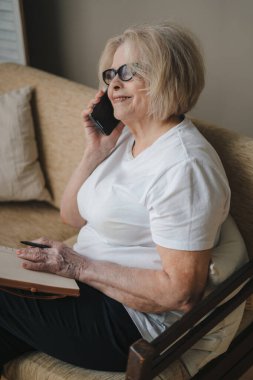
{"x": 145, "y": 134}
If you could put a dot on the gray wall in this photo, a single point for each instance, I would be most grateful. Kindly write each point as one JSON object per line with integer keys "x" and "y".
{"x": 66, "y": 37}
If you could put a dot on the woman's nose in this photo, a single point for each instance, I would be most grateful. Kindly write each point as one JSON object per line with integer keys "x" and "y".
{"x": 116, "y": 86}
{"x": 116, "y": 83}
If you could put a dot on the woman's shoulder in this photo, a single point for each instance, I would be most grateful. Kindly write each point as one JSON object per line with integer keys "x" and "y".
{"x": 191, "y": 145}
{"x": 185, "y": 151}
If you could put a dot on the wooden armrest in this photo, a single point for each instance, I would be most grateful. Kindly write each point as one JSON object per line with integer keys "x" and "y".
{"x": 147, "y": 359}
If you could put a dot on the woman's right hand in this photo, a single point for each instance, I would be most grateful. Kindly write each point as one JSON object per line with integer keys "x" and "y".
{"x": 97, "y": 143}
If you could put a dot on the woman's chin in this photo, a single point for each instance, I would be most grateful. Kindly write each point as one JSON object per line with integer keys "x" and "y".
{"x": 121, "y": 116}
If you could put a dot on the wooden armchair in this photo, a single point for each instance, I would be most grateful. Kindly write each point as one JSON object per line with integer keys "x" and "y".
{"x": 147, "y": 360}
{"x": 162, "y": 359}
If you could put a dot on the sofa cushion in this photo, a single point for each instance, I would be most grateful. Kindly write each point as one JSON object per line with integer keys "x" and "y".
{"x": 40, "y": 366}
{"x": 21, "y": 177}
{"x": 30, "y": 220}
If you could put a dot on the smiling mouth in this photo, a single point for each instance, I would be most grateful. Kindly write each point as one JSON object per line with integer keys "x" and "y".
{"x": 121, "y": 99}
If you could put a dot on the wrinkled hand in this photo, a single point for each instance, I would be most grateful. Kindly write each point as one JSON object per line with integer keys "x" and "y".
{"x": 59, "y": 259}
{"x": 96, "y": 141}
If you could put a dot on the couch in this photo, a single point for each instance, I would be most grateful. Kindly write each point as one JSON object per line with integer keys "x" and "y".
{"x": 56, "y": 105}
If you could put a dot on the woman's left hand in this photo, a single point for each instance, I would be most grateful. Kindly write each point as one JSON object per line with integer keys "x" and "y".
{"x": 59, "y": 259}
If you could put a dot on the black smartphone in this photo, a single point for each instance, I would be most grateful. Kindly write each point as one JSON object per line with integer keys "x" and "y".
{"x": 102, "y": 116}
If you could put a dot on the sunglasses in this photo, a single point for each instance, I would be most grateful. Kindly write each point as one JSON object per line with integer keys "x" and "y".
{"x": 125, "y": 73}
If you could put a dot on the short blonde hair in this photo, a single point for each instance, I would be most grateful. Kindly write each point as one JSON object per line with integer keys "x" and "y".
{"x": 170, "y": 62}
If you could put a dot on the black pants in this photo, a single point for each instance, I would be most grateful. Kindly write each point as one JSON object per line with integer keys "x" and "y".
{"x": 92, "y": 331}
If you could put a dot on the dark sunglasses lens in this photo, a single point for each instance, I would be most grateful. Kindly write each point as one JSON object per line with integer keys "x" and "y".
{"x": 108, "y": 75}
{"x": 125, "y": 73}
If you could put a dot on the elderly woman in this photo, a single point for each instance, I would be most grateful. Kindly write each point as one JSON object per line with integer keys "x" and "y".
{"x": 149, "y": 200}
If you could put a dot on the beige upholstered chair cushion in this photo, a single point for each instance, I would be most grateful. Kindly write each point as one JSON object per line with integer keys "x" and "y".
{"x": 21, "y": 178}
{"x": 236, "y": 153}
{"x": 41, "y": 366}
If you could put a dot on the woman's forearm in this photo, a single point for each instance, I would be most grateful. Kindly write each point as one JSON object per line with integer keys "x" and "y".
{"x": 145, "y": 290}
{"x": 135, "y": 302}
{"x": 69, "y": 209}
{"x": 178, "y": 286}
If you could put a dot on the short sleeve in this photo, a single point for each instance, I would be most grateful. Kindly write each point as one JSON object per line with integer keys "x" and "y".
{"x": 187, "y": 206}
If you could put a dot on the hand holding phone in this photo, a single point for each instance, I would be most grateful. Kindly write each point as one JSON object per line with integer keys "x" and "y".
{"x": 102, "y": 116}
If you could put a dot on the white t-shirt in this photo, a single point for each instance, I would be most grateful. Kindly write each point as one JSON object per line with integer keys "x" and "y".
{"x": 175, "y": 194}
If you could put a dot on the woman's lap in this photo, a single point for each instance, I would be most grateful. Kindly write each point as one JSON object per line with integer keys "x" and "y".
{"x": 91, "y": 331}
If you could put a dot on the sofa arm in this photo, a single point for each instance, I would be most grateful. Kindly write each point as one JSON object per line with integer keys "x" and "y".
{"x": 146, "y": 360}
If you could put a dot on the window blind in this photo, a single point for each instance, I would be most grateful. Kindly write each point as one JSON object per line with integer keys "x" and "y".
{"x": 12, "y": 44}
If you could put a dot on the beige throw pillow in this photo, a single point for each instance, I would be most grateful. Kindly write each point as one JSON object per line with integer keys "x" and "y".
{"x": 21, "y": 178}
